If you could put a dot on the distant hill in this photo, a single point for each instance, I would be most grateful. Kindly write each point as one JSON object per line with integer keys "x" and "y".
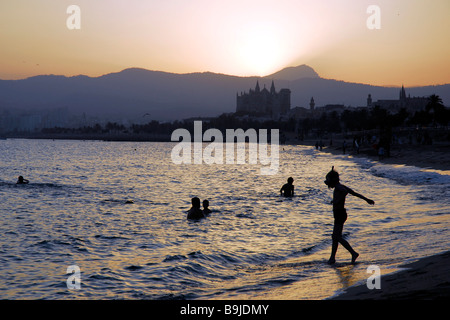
{"x": 294, "y": 73}
{"x": 133, "y": 92}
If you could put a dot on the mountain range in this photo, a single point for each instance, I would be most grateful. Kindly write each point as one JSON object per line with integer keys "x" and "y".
{"x": 135, "y": 92}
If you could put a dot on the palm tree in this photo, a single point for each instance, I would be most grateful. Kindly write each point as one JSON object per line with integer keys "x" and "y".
{"x": 436, "y": 105}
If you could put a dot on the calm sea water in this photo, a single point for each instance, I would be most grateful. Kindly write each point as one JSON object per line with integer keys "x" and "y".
{"x": 117, "y": 211}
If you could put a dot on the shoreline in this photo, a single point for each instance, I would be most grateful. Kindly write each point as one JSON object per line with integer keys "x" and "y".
{"x": 425, "y": 279}
{"x": 435, "y": 157}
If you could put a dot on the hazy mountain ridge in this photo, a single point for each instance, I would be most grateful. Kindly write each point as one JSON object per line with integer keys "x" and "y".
{"x": 133, "y": 92}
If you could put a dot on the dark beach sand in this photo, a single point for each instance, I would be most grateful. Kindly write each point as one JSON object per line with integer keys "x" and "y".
{"x": 425, "y": 279}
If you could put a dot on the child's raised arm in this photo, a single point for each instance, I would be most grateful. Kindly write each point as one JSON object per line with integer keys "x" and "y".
{"x": 369, "y": 201}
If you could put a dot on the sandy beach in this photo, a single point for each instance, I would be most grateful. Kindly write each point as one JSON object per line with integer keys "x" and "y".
{"x": 425, "y": 279}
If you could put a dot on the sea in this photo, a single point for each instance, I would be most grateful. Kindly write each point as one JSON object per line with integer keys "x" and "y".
{"x": 107, "y": 220}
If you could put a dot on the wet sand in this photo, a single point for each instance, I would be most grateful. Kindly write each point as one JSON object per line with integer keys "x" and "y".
{"x": 425, "y": 279}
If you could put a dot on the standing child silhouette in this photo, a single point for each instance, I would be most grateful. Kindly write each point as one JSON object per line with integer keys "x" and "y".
{"x": 340, "y": 214}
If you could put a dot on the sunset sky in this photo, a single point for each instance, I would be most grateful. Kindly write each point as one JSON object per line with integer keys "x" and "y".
{"x": 242, "y": 38}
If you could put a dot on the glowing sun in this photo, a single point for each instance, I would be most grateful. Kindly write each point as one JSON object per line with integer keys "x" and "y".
{"x": 260, "y": 49}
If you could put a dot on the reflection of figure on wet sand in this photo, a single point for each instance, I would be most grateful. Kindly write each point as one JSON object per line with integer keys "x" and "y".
{"x": 206, "y": 210}
{"x": 195, "y": 212}
{"x": 21, "y": 180}
{"x": 288, "y": 188}
{"x": 347, "y": 276}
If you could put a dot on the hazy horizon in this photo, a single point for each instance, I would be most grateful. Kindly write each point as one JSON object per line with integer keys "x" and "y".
{"x": 251, "y": 38}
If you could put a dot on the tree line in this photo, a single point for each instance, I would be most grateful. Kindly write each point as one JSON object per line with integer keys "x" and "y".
{"x": 434, "y": 114}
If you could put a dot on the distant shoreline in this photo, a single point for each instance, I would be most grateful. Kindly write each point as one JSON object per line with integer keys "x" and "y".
{"x": 435, "y": 156}
{"x": 89, "y": 136}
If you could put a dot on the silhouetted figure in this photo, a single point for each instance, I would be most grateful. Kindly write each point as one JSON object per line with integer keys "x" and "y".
{"x": 340, "y": 214}
{"x": 21, "y": 180}
{"x": 206, "y": 210}
{"x": 288, "y": 188}
{"x": 344, "y": 146}
{"x": 195, "y": 212}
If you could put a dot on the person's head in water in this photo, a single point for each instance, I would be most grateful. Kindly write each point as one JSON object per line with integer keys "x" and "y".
{"x": 195, "y": 202}
{"x": 206, "y": 210}
{"x": 21, "y": 180}
{"x": 290, "y": 180}
{"x": 332, "y": 178}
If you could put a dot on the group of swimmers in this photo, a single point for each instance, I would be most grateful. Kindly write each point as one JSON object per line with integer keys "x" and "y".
{"x": 195, "y": 212}
{"x": 339, "y": 212}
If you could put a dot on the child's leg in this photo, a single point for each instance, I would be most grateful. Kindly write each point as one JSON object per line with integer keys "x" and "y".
{"x": 350, "y": 249}
{"x": 337, "y": 238}
{"x": 337, "y": 234}
{"x": 334, "y": 247}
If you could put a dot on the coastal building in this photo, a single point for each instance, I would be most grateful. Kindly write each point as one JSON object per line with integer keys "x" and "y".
{"x": 264, "y": 102}
{"x": 316, "y": 112}
{"x": 312, "y": 104}
{"x": 411, "y": 104}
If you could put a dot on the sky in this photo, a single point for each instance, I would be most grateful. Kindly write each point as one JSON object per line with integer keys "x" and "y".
{"x": 405, "y": 42}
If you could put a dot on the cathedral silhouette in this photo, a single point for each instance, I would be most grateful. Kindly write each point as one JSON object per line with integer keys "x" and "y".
{"x": 263, "y": 102}
{"x": 411, "y": 104}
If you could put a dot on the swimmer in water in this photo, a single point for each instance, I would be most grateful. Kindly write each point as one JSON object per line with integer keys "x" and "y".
{"x": 206, "y": 210}
{"x": 21, "y": 180}
{"x": 340, "y": 214}
{"x": 195, "y": 213}
{"x": 288, "y": 188}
